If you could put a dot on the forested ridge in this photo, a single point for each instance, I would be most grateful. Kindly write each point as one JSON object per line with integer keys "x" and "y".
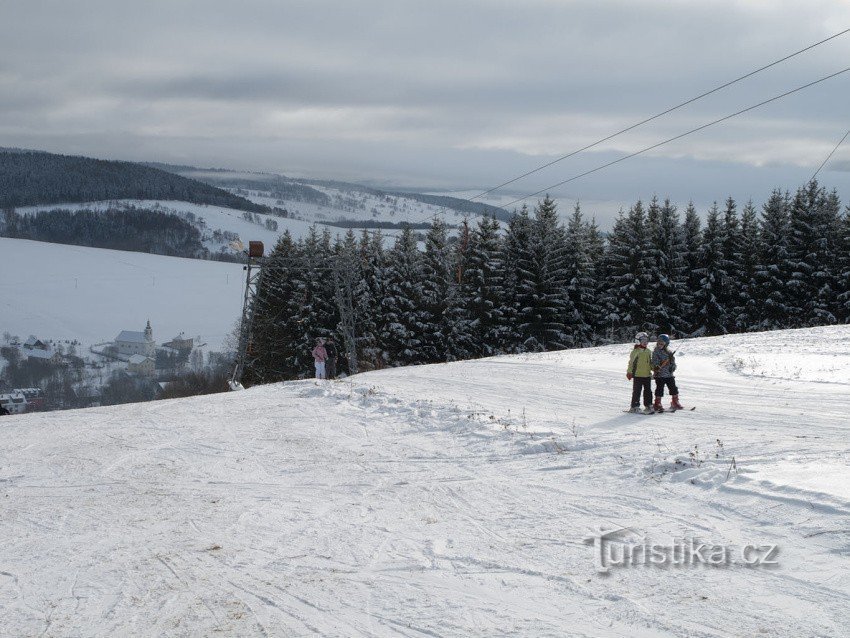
{"x": 30, "y": 178}
{"x": 132, "y": 229}
{"x": 543, "y": 285}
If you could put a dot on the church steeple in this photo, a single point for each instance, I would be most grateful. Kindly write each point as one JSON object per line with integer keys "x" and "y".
{"x": 148, "y": 332}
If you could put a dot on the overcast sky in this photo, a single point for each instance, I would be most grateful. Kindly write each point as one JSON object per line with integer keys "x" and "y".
{"x": 437, "y": 94}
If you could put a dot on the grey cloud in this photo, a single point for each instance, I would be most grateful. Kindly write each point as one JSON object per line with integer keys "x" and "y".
{"x": 454, "y": 93}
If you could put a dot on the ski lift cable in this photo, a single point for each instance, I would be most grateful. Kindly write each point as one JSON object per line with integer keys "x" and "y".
{"x": 829, "y": 156}
{"x": 680, "y": 136}
{"x": 661, "y": 114}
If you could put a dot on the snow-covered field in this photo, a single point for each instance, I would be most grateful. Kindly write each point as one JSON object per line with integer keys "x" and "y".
{"x": 306, "y": 215}
{"x": 215, "y": 217}
{"x": 444, "y": 500}
{"x": 55, "y": 291}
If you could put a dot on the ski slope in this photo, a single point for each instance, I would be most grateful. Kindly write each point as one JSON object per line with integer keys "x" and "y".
{"x": 444, "y": 500}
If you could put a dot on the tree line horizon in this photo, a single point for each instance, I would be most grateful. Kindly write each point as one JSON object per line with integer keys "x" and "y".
{"x": 536, "y": 284}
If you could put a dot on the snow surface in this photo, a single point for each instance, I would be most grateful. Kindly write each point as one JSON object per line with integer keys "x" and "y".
{"x": 56, "y": 291}
{"x": 440, "y": 500}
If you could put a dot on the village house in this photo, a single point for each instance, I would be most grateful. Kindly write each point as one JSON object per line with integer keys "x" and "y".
{"x": 15, "y": 402}
{"x": 141, "y": 365}
{"x": 43, "y": 355}
{"x": 35, "y": 398}
{"x": 180, "y": 342}
{"x": 34, "y": 343}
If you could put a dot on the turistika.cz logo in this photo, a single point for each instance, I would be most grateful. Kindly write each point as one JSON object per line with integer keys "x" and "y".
{"x": 624, "y": 548}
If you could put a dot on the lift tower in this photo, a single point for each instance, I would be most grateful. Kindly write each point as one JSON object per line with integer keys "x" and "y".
{"x": 253, "y": 273}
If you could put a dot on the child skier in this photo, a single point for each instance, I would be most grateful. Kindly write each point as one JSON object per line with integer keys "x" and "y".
{"x": 639, "y": 373}
{"x": 664, "y": 367}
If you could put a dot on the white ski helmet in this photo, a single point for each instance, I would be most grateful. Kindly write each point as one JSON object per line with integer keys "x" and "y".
{"x": 641, "y": 337}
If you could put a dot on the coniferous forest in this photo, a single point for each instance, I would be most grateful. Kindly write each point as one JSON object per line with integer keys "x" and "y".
{"x": 29, "y": 178}
{"x": 539, "y": 284}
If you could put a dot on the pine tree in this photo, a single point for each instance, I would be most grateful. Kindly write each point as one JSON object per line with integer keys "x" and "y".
{"x": 691, "y": 249}
{"x": 772, "y": 270}
{"x": 667, "y": 268}
{"x": 436, "y": 281}
{"x": 542, "y": 319}
{"x": 368, "y": 293}
{"x": 626, "y": 297}
{"x": 316, "y": 312}
{"x": 712, "y": 278}
{"x": 460, "y": 340}
{"x": 271, "y": 354}
{"x": 484, "y": 279}
{"x": 828, "y": 276}
{"x": 746, "y": 312}
{"x": 517, "y": 259}
{"x": 843, "y": 286}
{"x": 813, "y": 225}
{"x": 583, "y": 309}
{"x": 730, "y": 231}
{"x": 402, "y": 306}
{"x": 347, "y": 272}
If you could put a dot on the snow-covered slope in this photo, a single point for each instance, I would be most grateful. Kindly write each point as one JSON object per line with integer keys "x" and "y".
{"x": 214, "y": 218}
{"x": 71, "y": 292}
{"x": 442, "y": 500}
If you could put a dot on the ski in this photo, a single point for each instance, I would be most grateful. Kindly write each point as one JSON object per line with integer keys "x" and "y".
{"x": 680, "y": 409}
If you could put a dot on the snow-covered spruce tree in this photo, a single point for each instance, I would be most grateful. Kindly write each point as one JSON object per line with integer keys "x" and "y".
{"x": 436, "y": 282}
{"x": 829, "y": 277}
{"x": 844, "y": 269}
{"x": 582, "y": 307}
{"x": 347, "y": 273}
{"x": 611, "y": 311}
{"x": 668, "y": 268}
{"x": 542, "y": 319}
{"x": 771, "y": 272}
{"x": 446, "y": 334}
{"x": 517, "y": 258}
{"x": 460, "y": 342}
{"x": 813, "y": 227}
{"x": 596, "y": 251}
{"x": 272, "y": 350}
{"x": 691, "y": 247}
{"x": 709, "y": 310}
{"x": 746, "y": 312}
{"x": 484, "y": 279}
{"x": 315, "y": 312}
{"x": 731, "y": 297}
{"x": 626, "y": 298}
{"x": 402, "y": 306}
{"x": 368, "y": 293}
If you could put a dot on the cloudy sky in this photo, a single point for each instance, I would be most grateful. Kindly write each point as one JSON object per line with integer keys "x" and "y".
{"x": 437, "y": 94}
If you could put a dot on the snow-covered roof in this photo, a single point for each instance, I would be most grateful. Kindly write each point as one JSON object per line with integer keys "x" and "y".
{"x": 133, "y": 337}
{"x": 138, "y": 358}
{"x": 40, "y": 354}
{"x": 14, "y": 397}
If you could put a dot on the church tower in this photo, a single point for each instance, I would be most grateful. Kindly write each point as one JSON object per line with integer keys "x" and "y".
{"x": 149, "y": 342}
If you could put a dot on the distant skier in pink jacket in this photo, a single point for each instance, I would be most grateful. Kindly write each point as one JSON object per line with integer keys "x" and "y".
{"x": 320, "y": 355}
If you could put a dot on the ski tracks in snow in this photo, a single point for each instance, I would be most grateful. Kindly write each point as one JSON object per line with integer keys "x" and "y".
{"x": 432, "y": 501}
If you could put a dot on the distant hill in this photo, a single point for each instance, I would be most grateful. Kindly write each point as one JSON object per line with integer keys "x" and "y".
{"x": 462, "y": 205}
{"x": 453, "y": 203}
{"x": 301, "y": 190}
{"x": 31, "y": 178}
